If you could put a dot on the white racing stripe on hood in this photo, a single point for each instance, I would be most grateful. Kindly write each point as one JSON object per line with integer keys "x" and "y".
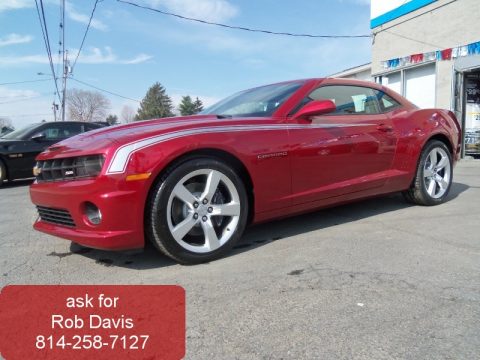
{"x": 122, "y": 155}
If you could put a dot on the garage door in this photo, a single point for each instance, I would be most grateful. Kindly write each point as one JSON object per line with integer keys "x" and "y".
{"x": 420, "y": 86}
{"x": 393, "y": 81}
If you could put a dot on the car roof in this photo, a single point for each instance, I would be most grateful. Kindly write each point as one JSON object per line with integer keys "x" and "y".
{"x": 69, "y": 122}
{"x": 331, "y": 81}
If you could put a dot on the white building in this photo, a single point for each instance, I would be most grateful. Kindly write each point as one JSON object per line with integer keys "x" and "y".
{"x": 429, "y": 51}
{"x": 362, "y": 72}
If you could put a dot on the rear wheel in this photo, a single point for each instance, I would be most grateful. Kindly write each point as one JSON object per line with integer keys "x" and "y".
{"x": 197, "y": 211}
{"x": 434, "y": 174}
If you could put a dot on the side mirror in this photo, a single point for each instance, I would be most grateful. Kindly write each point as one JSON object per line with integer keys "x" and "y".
{"x": 38, "y": 137}
{"x": 316, "y": 107}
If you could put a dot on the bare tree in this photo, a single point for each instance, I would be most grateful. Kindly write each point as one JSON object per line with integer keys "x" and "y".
{"x": 87, "y": 106}
{"x": 128, "y": 114}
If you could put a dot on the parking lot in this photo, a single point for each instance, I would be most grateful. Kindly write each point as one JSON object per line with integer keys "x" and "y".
{"x": 378, "y": 279}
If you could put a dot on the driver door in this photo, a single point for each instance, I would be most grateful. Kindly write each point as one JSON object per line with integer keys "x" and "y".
{"x": 347, "y": 151}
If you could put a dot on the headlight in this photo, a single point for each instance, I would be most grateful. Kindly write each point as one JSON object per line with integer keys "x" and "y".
{"x": 88, "y": 165}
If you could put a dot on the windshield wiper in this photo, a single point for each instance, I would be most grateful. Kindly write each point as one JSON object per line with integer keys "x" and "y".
{"x": 223, "y": 116}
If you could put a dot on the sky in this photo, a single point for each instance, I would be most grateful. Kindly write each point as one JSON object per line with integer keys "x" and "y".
{"x": 127, "y": 49}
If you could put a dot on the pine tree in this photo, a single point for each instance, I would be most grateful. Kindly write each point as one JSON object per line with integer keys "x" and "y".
{"x": 155, "y": 104}
{"x": 186, "y": 107}
{"x": 198, "y": 105}
{"x": 112, "y": 119}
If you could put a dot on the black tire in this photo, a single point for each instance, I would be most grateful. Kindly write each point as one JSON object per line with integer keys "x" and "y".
{"x": 3, "y": 173}
{"x": 162, "y": 205}
{"x": 419, "y": 192}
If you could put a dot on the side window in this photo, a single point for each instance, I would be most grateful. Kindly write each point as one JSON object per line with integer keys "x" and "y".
{"x": 89, "y": 127}
{"x": 70, "y": 130}
{"x": 387, "y": 103}
{"x": 350, "y": 100}
{"x": 61, "y": 131}
{"x": 52, "y": 132}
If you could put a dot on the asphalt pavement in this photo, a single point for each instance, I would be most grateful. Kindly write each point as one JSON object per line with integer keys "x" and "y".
{"x": 377, "y": 279}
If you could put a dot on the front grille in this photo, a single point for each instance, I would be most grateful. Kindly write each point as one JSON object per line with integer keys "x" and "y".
{"x": 69, "y": 168}
{"x": 55, "y": 216}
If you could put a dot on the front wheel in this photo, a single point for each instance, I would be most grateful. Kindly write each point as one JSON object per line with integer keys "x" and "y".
{"x": 197, "y": 211}
{"x": 433, "y": 178}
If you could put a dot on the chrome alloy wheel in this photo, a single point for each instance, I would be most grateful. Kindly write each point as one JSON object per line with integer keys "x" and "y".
{"x": 436, "y": 172}
{"x": 203, "y": 211}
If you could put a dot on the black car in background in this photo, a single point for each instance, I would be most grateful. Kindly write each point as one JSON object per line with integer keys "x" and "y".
{"x": 19, "y": 148}
{"x": 4, "y": 130}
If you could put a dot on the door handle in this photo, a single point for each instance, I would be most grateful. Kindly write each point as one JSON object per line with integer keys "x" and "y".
{"x": 385, "y": 128}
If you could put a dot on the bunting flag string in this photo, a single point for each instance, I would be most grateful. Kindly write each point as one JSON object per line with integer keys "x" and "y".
{"x": 439, "y": 55}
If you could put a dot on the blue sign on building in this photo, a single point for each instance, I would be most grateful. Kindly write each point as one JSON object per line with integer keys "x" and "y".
{"x": 384, "y": 11}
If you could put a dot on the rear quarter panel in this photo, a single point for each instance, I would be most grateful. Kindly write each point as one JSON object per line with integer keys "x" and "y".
{"x": 414, "y": 128}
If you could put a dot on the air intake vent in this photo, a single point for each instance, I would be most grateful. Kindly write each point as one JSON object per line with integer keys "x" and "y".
{"x": 55, "y": 216}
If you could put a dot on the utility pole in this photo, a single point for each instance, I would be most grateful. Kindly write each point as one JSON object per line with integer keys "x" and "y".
{"x": 55, "y": 108}
{"x": 65, "y": 60}
{"x": 66, "y": 69}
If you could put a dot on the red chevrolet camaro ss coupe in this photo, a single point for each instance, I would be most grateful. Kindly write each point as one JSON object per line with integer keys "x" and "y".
{"x": 190, "y": 185}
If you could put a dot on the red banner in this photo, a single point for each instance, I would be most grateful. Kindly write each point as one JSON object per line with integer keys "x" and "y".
{"x": 92, "y": 322}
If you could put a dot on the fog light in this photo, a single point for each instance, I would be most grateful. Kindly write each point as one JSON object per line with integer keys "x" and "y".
{"x": 93, "y": 214}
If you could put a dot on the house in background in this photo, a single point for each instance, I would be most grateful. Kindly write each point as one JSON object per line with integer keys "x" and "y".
{"x": 362, "y": 72}
{"x": 429, "y": 51}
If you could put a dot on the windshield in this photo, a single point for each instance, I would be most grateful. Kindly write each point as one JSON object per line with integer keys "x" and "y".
{"x": 19, "y": 134}
{"x": 261, "y": 101}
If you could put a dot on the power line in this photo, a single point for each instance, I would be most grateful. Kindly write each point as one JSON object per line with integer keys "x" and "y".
{"x": 414, "y": 40}
{"x": 47, "y": 41}
{"x": 60, "y": 42}
{"x": 24, "y": 115}
{"x": 24, "y": 82}
{"x": 106, "y": 91}
{"x": 19, "y": 96}
{"x": 43, "y": 25}
{"x": 60, "y": 46}
{"x": 64, "y": 65}
{"x": 242, "y": 27}
{"x": 85, "y": 34}
{"x": 26, "y": 98}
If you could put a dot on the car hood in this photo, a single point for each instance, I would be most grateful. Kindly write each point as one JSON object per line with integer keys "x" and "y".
{"x": 6, "y": 143}
{"x": 106, "y": 140}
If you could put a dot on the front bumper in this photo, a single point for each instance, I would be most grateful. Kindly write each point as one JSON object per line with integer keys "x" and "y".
{"x": 120, "y": 203}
